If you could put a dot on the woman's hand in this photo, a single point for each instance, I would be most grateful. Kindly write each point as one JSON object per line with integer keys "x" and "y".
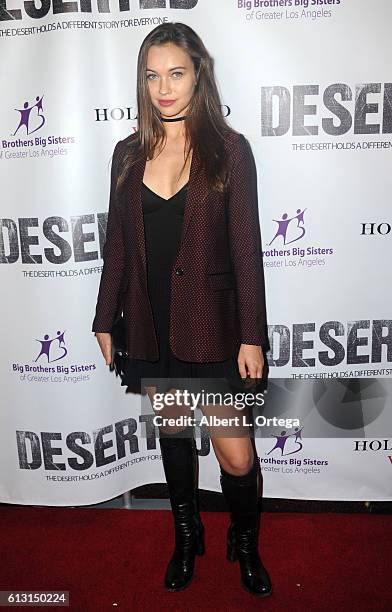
{"x": 250, "y": 362}
{"x": 105, "y": 343}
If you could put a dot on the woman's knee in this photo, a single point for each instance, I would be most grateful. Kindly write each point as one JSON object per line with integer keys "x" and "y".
{"x": 237, "y": 464}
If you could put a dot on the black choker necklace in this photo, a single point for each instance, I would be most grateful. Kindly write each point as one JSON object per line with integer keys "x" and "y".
{"x": 174, "y": 119}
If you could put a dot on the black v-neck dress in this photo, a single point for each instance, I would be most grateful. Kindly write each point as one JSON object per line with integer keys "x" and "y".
{"x": 162, "y": 223}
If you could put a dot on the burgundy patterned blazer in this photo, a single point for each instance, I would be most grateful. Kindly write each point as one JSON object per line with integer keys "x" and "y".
{"x": 217, "y": 278}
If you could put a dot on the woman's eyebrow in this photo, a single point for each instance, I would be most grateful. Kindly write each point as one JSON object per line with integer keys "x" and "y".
{"x": 175, "y": 68}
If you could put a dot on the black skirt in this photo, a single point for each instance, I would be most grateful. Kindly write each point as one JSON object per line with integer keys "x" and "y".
{"x": 162, "y": 222}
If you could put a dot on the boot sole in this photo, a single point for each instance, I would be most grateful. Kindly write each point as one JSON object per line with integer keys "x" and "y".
{"x": 255, "y": 594}
{"x": 173, "y": 590}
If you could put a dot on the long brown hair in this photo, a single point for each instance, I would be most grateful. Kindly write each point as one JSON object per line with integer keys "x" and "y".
{"x": 205, "y": 126}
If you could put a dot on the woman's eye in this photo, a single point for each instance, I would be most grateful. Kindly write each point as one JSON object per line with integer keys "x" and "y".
{"x": 177, "y": 73}
{"x": 150, "y": 77}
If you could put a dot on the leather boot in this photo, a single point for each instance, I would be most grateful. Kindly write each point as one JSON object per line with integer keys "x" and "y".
{"x": 179, "y": 458}
{"x": 240, "y": 493}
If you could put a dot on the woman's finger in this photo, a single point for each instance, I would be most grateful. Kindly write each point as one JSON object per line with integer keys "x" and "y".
{"x": 242, "y": 368}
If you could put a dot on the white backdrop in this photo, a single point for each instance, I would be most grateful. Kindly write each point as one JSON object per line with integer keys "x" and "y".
{"x": 311, "y": 88}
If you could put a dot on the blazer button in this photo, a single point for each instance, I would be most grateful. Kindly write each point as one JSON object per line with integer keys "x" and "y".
{"x": 179, "y": 271}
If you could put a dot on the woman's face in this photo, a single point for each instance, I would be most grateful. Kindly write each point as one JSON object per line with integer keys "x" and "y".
{"x": 171, "y": 79}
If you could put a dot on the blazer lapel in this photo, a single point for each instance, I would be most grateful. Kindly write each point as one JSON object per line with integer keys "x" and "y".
{"x": 135, "y": 200}
{"x": 196, "y": 193}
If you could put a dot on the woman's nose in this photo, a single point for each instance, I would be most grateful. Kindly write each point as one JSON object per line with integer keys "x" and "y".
{"x": 164, "y": 86}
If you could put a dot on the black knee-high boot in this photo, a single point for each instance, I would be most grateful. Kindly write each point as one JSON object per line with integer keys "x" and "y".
{"x": 179, "y": 458}
{"x": 240, "y": 493}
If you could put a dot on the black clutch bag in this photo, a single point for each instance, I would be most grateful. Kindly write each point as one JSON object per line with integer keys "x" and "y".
{"x": 119, "y": 343}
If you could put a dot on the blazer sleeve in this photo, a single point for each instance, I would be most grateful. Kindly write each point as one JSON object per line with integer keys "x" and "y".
{"x": 245, "y": 245}
{"x": 113, "y": 258}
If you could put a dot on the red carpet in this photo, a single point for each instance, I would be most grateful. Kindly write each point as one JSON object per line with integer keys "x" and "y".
{"x": 316, "y": 561}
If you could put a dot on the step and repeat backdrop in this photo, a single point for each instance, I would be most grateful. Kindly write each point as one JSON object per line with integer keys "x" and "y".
{"x": 309, "y": 83}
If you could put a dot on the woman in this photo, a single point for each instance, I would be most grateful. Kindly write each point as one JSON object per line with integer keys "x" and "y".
{"x": 183, "y": 254}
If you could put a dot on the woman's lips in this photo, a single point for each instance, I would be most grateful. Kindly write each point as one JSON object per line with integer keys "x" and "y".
{"x": 166, "y": 102}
